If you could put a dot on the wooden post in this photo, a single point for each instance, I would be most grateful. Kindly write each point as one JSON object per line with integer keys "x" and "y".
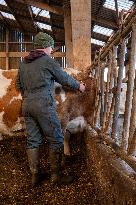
{"x": 132, "y": 132}
{"x": 98, "y": 98}
{"x": 111, "y": 96}
{"x": 81, "y": 33}
{"x": 7, "y": 49}
{"x": 132, "y": 148}
{"x": 107, "y": 90}
{"x": 102, "y": 94}
{"x": 129, "y": 93}
{"x": 116, "y": 38}
{"x": 68, "y": 34}
{"x": 117, "y": 99}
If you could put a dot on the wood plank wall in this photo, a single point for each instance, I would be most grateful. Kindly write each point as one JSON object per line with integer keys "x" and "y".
{"x": 15, "y": 41}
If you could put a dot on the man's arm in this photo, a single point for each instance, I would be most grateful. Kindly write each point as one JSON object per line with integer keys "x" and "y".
{"x": 63, "y": 78}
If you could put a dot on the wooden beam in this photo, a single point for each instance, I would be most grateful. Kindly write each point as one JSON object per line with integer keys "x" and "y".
{"x": 117, "y": 11}
{"x": 33, "y": 17}
{"x": 13, "y": 25}
{"x": 23, "y": 54}
{"x": 22, "y": 14}
{"x": 4, "y": 19}
{"x": 109, "y": 24}
{"x": 127, "y": 26}
{"x": 99, "y": 36}
{"x": 81, "y": 33}
{"x": 4, "y": 8}
{"x": 31, "y": 13}
{"x": 7, "y": 49}
{"x": 44, "y": 6}
{"x": 14, "y": 14}
{"x": 100, "y": 6}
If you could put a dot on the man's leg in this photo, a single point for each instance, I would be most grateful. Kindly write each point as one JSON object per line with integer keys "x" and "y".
{"x": 34, "y": 140}
{"x": 51, "y": 127}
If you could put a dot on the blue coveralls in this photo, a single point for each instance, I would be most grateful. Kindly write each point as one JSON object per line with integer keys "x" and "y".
{"x": 36, "y": 82}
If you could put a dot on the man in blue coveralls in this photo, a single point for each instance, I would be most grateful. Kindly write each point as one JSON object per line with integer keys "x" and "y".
{"x": 35, "y": 81}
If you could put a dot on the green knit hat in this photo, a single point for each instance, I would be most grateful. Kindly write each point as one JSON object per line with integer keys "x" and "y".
{"x": 43, "y": 40}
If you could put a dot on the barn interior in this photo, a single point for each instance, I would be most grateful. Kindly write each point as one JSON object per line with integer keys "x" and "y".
{"x": 98, "y": 38}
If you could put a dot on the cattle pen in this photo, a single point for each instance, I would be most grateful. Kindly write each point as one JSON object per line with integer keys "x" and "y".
{"x": 101, "y": 144}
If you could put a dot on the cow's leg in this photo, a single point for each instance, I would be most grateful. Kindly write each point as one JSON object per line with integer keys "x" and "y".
{"x": 1, "y": 138}
{"x": 66, "y": 143}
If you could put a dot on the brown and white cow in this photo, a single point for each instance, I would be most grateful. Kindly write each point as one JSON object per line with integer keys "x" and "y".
{"x": 10, "y": 103}
{"x": 75, "y": 109}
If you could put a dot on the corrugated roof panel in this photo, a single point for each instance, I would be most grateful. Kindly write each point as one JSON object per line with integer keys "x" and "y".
{"x": 2, "y": 2}
{"x": 40, "y": 12}
{"x": 44, "y": 13}
{"x": 97, "y": 42}
{"x": 44, "y": 26}
{"x": 7, "y": 15}
{"x": 122, "y": 4}
{"x": 35, "y": 10}
{"x": 102, "y": 30}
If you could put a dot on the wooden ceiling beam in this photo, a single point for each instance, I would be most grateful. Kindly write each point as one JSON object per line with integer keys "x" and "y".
{"x": 4, "y": 20}
{"x": 109, "y": 24}
{"x": 4, "y": 8}
{"x": 31, "y": 13}
{"x": 115, "y": 39}
{"x": 106, "y": 22}
{"x": 40, "y": 19}
{"x": 23, "y": 54}
{"x": 42, "y": 5}
{"x": 99, "y": 37}
{"x": 13, "y": 25}
{"x": 8, "y": 2}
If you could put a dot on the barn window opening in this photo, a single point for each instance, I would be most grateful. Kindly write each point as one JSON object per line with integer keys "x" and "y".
{"x": 122, "y": 4}
{"x": 102, "y": 30}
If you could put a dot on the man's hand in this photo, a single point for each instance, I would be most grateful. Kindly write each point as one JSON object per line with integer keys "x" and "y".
{"x": 82, "y": 87}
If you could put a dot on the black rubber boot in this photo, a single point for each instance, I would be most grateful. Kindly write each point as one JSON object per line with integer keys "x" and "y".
{"x": 38, "y": 175}
{"x": 56, "y": 173}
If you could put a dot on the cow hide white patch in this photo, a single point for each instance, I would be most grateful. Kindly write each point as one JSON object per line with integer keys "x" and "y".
{"x": 72, "y": 71}
{"x": 19, "y": 97}
{"x": 4, "y": 84}
{"x": 62, "y": 95}
{"x": 76, "y": 125}
{"x": 19, "y": 125}
{"x": 3, "y": 127}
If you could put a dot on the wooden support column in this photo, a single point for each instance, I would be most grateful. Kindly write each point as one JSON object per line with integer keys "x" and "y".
{"x": 81, "y": 33}
{"x": 106, "y": 103}
{"x": 7, "y": 49}
{"x": 68, "y": 34}
{"x": 98, "y": 97}
{"x": 102, "y": 94}
{"x": 132, "y": 130}
{"x": 112, "y": 84}
{"x": 119, "y": 83}
{"x": 129, "y": 94}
